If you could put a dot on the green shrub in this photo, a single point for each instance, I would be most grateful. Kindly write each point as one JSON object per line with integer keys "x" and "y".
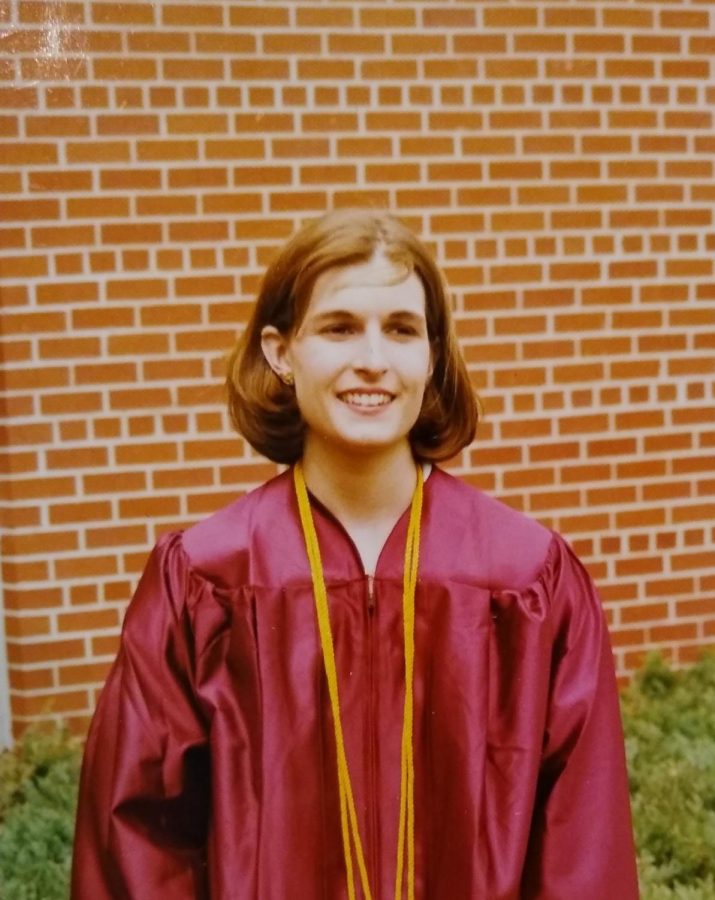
{"x": 669, "y": 721}
{"x": 38, "y": 788}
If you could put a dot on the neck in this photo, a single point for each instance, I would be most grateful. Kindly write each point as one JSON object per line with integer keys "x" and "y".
{"x": 360, "y": 488}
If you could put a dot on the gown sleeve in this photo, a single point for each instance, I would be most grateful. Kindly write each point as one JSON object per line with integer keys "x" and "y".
{"x": 581, "y": 838}
{"x": 143, "y": 800}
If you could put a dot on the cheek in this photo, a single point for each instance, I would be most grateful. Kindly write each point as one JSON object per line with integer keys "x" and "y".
{"x": 315, "y": 372}
{"x": 418, "y": 364}
{"x": 323, "y": 362}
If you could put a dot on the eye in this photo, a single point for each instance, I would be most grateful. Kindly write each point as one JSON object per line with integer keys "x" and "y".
{"x": 338, "y": 329}
{"x": 403, "y": 329}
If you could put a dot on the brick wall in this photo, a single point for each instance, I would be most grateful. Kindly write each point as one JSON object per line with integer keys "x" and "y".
{"x": 557, "y": 156}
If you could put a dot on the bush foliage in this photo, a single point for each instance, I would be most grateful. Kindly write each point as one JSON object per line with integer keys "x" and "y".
{"x": 38, "y": 787}
{"x": 669, "y": 721}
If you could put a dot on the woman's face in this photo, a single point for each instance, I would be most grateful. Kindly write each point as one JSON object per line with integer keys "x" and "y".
{"x": 360, "y": 358}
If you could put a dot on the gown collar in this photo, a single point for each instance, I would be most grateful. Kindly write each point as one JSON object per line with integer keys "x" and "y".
{"x": 340, "y": 556}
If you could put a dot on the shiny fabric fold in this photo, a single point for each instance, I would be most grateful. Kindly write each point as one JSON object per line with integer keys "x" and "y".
{"x": 210, "y": 771}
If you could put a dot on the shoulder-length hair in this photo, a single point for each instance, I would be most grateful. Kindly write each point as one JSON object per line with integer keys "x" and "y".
{"x": 264, "y": 409}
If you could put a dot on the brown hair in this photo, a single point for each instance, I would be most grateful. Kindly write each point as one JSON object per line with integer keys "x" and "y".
{"x": 264, "y": 409}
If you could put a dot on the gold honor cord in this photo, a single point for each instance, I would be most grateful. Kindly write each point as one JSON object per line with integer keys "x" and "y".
{"x": 348, "y": 816}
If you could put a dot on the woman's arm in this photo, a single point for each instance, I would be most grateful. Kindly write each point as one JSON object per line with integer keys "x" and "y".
{"x": 144, "y": 793}
{"x": 581, "y": 841}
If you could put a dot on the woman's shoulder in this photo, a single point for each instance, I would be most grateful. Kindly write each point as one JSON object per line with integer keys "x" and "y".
{"x": 483, "y": 541}
{"x": 218, "y": 546}
{"x": 485, "y": 538}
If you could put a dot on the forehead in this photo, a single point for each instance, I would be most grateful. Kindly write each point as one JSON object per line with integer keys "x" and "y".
{"x": 378, "y": 284}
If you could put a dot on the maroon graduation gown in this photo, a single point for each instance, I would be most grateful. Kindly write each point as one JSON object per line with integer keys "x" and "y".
{"x": 210, "y": 765}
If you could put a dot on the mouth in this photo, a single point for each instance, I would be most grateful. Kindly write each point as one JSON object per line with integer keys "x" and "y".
{"x": 366, "y": 399}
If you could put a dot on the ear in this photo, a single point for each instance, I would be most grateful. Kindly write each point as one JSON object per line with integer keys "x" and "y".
{"x": 275, "y": 349}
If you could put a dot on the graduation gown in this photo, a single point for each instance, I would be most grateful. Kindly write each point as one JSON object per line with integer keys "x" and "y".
{"x": 210, "y": 766}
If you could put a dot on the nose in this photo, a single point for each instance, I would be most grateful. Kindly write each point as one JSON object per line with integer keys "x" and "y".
{"x": 370, "y": 353}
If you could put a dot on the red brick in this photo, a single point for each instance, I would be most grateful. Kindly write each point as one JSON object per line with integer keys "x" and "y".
{"x": 216, "y": 339}
{"x": 16, "y": 97}
{"x": 63, "y": 236}
{"x": 20, "y": 517}
{"x": 356, "y": 43}
{"x": 135, "y": 13}
{"x": 139, "y": 343}
{"x": 163, "y": 370}
{"x": 69, "y": 348}
{"x": 321, "y": 175}
{"x": 142, "y": 397}
{"x": 14, "y": 463}
{"x": 153, "y": 506}
{"x": 213, "y": 123}
{"x": 225, "y": 43}
{"x": 27, "y": 379}
{"x": 121, "y": 482}
{"x": 699, "y": 607}
{"x": 203, "y": 15}
{"x": 53, "y": 68}
{"x": 164, "y": 150}
{"x": 200, "y": 69}
{"x": 515, "y": 274}
{"x": 31, "y": 433}
{"x": 14, "y": 238}
{"x": 48, "y": 704}
{"x": 23, "y": 571}
{"x": 39, "y": 542}
{"x": 28, "y": 210}
{"x": 207, "y": 503}
{"x": 673, "y": 632}
{"x": 14, "y": 295}
{"x": 531, "y": 477}
{"x": 30, "y": 679}
{"x": 259, "y": 68}
{"x": 84, "y": 673}
{"x": 77, "y": 458}
{"x": 105, "y": 645}
{"x": 57, "y": 126}
{"x": 213, "y": 285}
{"x": 141, "y": 453}
{"x": 386, "y": 17}
{"x": 389, "y": 69}
{"x": 324, "y": 17}
{"x": 325, "y": 69}
{"x": 45, "y": 651}
{"x": 642, "y": 612}
{"x": 61, "y": 514}
{"x": 292, "y": 42}
{"x": 88, "y": 620}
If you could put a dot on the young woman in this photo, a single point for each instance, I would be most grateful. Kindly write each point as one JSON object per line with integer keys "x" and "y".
{"x": 365, "y": 679}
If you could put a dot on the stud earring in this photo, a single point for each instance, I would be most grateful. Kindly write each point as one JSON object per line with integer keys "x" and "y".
{"x": 287, "y": 378}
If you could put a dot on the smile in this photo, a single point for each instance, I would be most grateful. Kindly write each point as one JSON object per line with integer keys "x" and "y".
{"x": 366, "y": 400}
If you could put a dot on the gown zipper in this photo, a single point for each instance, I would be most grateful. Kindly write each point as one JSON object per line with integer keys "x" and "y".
{"x": 373, "y": 869}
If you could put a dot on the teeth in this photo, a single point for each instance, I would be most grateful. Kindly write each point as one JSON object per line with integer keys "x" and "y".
{"x": 367, "y": 399}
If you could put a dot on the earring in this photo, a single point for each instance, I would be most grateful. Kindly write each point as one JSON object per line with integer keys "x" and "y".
{"x": 287, "y": 378}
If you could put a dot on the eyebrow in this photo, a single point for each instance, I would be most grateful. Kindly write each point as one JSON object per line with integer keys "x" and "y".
{"x": 408, "y": 314}
{"x": 348, "y": 314}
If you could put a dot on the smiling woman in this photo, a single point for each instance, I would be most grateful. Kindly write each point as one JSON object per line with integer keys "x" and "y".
{"x": 360, "y": 359}
{"x": 379, "y": 254}
{"x": 365, "y": 679}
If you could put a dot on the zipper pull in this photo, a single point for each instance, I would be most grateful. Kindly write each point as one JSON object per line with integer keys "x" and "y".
{"x": 370, "y": 593}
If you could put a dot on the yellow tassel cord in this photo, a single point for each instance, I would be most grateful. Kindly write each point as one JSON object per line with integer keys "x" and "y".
{"x": 348, "y": 815}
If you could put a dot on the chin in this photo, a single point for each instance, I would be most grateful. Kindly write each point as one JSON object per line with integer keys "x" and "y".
{"x": 365, "y": 444}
